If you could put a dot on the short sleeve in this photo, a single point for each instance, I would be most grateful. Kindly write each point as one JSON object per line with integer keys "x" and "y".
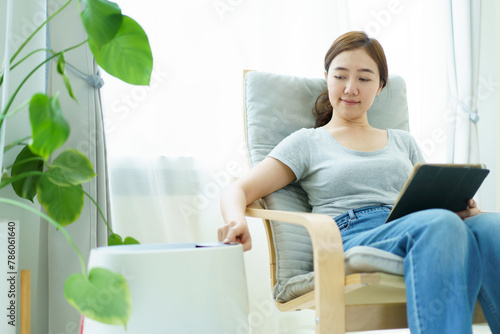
{"x": 415, "y": 153}
{"x": 294, "y": 152}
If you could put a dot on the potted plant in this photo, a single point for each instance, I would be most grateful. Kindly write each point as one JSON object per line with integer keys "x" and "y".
{"x": 120, "y": 47}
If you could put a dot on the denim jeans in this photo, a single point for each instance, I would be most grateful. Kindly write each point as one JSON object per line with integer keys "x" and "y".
{"x": 449, "y": 263}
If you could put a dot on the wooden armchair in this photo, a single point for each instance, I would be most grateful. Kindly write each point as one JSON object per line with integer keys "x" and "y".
{"x": 370, "y": 293}
{"x": 359, "y": 301}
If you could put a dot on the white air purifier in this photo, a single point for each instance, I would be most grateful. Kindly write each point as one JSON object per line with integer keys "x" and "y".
{"x": 178, "y": 288}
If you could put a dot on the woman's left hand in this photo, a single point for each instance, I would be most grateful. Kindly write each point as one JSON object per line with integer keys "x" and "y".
{"x": 471, "y": 210}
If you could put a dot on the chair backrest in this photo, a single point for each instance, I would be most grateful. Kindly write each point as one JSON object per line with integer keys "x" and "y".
{"x": 276, "y": 106}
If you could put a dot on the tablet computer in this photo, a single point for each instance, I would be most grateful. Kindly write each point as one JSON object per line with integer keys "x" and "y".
{"x": 443, "y": 186}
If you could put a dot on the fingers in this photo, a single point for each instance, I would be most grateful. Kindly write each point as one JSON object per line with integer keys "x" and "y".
{"x": 236, "y": 232}
{"x": 471, "y": 210}
{"x": 463, "y": 214}
{"x": 230, "y": 231}
{"x": 222, "y": 232}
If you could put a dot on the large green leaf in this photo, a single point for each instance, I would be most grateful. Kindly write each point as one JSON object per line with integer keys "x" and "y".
{"x": 71, "y": 167}
{"x": 103, "y": 296}
{"x": 101, "y": 19}
{"x": 50, "y": 129}
{"x": 62, "y": 203}
{"x": 128, "y": 56}
{"x": 25, "y": 162}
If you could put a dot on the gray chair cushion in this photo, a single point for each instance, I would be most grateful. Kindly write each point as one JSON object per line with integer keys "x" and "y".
{"x": 276, "y": 106}
{"x": 357, "y": 259}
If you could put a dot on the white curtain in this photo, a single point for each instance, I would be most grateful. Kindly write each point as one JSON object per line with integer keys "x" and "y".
{"x": 488, "y": 103}
{"x": 175, "y": 145}
{"x": 463, "y": 59}
{"x": 413, "y": 34}
{"x": 42, "y": 249}
{"x": 85, "y": 119}
{"x": 26, "y": 16}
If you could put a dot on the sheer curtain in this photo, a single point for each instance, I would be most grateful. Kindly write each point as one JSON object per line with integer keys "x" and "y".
{"x": 488, "y": 102}
{"x": 463, "y": 55}
{"x": 174, "y": 146}
{"x": 413, "y": 34}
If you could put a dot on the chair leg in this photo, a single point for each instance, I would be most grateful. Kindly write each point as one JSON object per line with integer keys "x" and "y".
{"x": 334, "y": 324}
{"x": 329, "y": 278}
{"x": 330, "y": 313}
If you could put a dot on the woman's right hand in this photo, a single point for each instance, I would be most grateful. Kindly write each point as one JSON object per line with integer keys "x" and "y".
{"x": 236, "y": 231}
{"x": 268, "y": 176}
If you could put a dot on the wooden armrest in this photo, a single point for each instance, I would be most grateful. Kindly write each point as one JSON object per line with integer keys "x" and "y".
{"x": 309, "y": 220}
{"x": 328, "y": 258}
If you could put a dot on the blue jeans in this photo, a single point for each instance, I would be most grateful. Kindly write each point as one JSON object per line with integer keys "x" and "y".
{"x": 449, "y": 263}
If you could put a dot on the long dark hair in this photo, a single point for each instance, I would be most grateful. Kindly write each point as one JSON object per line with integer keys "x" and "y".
{"x": 349, "y": 41}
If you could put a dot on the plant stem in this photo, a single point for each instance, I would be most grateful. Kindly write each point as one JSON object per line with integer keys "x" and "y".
{"x": 22, "y": 60}
{"x": 100, "y": 211}
{"x": 37, "y": 30}
{"x": 29, "y": 55}
{"x": 53, "y": 222}
{"x": 18, "y": 109}
{"x": 25, "y": 161}
{"x": 9, "y": 103}
{"x": 15, "y": 143}
{"x": 18, "y": 177}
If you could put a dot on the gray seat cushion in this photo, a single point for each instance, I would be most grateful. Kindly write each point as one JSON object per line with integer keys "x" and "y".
{"x": 360, "y": 259}
{"x": 276, "y": 106}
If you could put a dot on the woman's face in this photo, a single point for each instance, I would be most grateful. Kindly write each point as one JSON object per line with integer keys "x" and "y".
{"x": 353, "y": 81}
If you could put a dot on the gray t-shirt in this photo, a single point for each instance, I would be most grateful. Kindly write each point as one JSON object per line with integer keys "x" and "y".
{"x": 337, "y": 179}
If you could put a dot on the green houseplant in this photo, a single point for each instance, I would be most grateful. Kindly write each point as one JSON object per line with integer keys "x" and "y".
{"x": 120, "y": 47}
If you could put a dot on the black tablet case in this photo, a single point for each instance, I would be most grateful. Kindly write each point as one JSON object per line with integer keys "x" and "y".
{"x": 438, "y": 186}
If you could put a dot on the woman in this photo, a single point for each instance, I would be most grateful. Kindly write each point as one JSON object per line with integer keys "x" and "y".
{"x": 354, "y": 173}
